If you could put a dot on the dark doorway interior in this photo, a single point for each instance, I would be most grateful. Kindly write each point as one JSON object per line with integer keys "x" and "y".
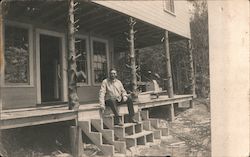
{"x": 50, "y": 68}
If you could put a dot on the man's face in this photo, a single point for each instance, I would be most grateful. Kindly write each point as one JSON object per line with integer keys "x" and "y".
{"x": 113, "y": 74}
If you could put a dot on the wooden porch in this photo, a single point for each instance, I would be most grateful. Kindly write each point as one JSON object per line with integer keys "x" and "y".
{"x": 50, "y": 114}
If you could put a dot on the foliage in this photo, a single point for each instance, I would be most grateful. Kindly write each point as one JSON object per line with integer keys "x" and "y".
{"x": 152, "y": 59}
{"x": 199, "y": 35}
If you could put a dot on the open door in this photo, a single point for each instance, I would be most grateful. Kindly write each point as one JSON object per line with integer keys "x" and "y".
{"x": 50, "y": 68}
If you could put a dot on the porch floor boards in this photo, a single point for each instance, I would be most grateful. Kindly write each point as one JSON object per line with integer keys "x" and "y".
{"x": 49, "y": 114}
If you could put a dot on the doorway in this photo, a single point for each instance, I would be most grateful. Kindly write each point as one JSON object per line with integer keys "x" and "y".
{"x": 50, "y": 68}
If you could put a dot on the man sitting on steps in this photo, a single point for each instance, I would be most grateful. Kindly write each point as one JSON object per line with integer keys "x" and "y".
{"x": 112, "y": 93}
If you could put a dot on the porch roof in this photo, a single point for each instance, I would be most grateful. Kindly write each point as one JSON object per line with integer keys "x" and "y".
{"x": 92, "y": 18}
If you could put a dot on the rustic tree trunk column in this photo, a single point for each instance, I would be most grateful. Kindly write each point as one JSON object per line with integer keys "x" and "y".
{"x": 1, "y": 65}
{"x": 73, "y": 100}
{"x": 132, "y": 56}
{"x": 192, "y": 75}
{"x": 72, "y": 95}
{"x": 169, "y": 73}
{"x": 1, "y": 50}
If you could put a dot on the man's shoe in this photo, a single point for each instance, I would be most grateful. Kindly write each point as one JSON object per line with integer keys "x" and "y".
{"x": 120, "y": 123}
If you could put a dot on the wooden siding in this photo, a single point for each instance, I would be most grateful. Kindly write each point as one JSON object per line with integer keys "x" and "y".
{"x": 88, "y": 93}
{"x": 18, "y": 97}
{"x": 153, "y": 12}
{"x": 22, "y": 97}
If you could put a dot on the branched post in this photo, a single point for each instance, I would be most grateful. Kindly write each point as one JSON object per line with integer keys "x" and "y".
{"x": 131, "y": 41}
{"x": 73, "y": 99}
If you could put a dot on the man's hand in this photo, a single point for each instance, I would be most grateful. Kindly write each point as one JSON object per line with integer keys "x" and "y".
{"x": 125, "y": 98}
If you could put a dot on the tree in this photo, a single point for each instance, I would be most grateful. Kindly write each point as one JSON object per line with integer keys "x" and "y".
{"x": 199, "y": 35}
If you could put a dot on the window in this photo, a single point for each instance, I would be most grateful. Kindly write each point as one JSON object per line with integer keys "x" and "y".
{"x": 17, "y": 56}
{"x": 99, "y": 61}
{"x": 82, "y": 62}
{"x": 169, "y": 6}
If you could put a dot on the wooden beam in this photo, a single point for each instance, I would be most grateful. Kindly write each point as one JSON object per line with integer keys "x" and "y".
{"x": 58, "y": 18}
{"x": 94, "y": 18}
{"x": 113, "y": 26}
{"x": 89, "y": 13}
{"x": 52, "y": 11}
{"x": 36, "y": 120}
{"x": 101, "y": 23}
{"x": 42, "y": 8}
{"x": 17, "y": 6}
{"x": 120, "y": 26}
{"x": 63, "y": 15}
{"x": 169, "y": 73}
{"x": 164, "y": 101}
{"x": 172, "y": 112}
{"x": 76, "y": 144}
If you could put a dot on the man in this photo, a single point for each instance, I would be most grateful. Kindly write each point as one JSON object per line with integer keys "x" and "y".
{"x": 112, "y": 93}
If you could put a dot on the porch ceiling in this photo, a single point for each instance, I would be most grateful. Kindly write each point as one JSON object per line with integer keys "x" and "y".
{"x": 92, "y": 18}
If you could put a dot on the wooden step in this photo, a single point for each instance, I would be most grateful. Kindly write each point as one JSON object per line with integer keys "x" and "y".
{"x": 108, "y": 135}
{"x": 146, "y": 125}
{"x": 164, "y": 131}
{"x": 143, "y": 133}
{"x": 157, "y": 134}
{"x": 154, "y": 123}
{"x": 139, "y": 139}
{"x": 144, "y": 114}
{"x": 96, "y": 138}
{"x": 127, "y": 129}
{"x": 108, "y": 121}
{"x": 125, "y": 125}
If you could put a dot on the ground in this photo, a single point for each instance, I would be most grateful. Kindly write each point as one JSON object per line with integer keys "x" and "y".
{"x": 190, "y": 136}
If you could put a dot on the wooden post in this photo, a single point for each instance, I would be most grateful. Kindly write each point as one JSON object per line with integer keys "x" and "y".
{"x": 131, "y": 39}
{"x": 72, "y": 88}
{"x": 172, "y": 112}
{"x": 191, "y": 62}
{"x": 1, "y": 50}
{"x": 1, "y": 65}
{"x": 192, "y": 75}
{"x": 76, "y": 144}
{"x": 169, "y": 74}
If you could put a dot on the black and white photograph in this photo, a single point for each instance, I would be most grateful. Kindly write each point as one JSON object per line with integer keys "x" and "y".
{"x": 117, "y": 78}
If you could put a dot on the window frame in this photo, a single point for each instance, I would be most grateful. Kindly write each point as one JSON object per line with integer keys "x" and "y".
{"x": 85, "y": 37}
{"x": 167, "y": 10}
{"x": 105, "y": 41}
{"x": 29, "y": 28}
